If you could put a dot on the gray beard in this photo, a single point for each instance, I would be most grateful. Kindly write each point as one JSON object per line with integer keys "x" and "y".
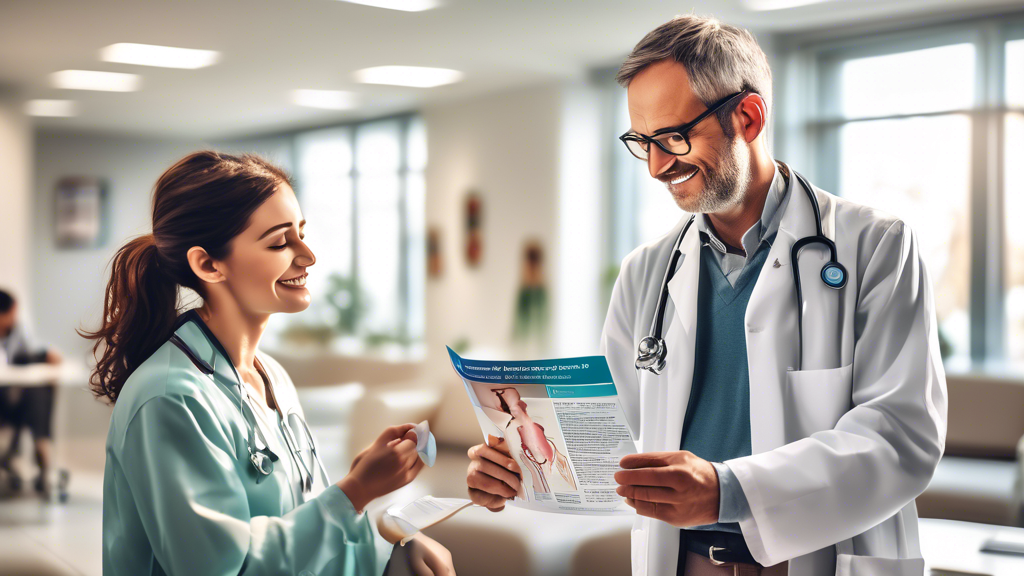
{"x": 727, "y": 184}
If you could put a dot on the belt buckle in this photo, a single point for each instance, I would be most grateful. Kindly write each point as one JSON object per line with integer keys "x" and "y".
{"x": 711, "y": 555}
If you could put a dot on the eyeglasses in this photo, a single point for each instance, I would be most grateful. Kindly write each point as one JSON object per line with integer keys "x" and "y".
{"x": 674, "y": 140}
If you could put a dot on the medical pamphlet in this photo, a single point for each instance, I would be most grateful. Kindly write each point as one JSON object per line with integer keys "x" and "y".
{"x": 562, "y": 423}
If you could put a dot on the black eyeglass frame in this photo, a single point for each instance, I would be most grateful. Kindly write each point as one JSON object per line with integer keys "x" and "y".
{"x": 683, "y": 130}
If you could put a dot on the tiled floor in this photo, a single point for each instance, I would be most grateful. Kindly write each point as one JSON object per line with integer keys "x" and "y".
{"x": 52, "y": 539}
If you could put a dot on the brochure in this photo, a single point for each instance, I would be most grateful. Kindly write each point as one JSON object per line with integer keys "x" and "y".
{"x": 562, "y": 423}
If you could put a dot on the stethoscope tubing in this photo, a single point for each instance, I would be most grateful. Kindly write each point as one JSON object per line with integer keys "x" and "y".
{"x": 651, "y": 350}
{"x": 257, "y": 456}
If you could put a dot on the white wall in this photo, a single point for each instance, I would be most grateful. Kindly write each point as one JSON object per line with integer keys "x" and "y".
{"x": 68, "y": 284}
{"x": 15, "y": 198}
{"x": 504, "y": 147}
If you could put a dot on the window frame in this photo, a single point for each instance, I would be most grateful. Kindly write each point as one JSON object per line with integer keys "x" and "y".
{"x": 408, "y": 340}
{"x": 816, "y": 65}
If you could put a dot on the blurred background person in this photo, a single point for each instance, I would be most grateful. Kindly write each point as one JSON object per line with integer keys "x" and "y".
{"x": 25, "y": 407}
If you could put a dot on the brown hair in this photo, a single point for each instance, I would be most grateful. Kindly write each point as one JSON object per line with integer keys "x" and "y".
{"x": 204, "y": 200}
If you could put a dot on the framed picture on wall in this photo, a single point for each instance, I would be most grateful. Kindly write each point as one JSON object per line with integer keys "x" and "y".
{"x": 80, "y": 208}
{"x": 474, "y": 231}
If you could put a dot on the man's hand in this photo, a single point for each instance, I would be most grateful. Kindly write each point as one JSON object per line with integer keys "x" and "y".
{"x": 493, "y": 476}
{"x": 674, "y": 487}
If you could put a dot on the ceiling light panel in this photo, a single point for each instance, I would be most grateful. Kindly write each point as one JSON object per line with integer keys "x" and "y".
{"x": 92, "y": 80}
{"x": 413, "y": 76}
{"x": 770, "y": 5}
{"x": 403, "y": 5}
{"x": 162, "y": 56}
{"x": 326, "y": 99}
{"x": 51, "y": 108}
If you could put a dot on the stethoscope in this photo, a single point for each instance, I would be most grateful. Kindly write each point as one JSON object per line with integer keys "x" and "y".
{"x": 651, "y": 352}
{"x": 262, "y": 459}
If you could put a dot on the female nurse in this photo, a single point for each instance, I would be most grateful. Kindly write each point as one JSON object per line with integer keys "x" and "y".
{"x": 210, "y": 467}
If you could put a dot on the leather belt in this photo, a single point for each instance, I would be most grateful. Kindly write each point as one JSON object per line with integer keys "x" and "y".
{"x": 719, "y": 547}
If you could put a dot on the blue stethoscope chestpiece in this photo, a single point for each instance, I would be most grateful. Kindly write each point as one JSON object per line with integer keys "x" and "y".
{"x": 833, "y": 275}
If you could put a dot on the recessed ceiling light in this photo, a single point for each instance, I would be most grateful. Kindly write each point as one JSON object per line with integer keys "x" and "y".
{"x": 55, "y": 108}
{"x": 91, "y": 80}
{"x": 162, "y": 56}
{"x": 327, "y": 99}
{"x": 769, "y": 5}
{"x": 403, "y": 5}
{"x": 414, "y": 76}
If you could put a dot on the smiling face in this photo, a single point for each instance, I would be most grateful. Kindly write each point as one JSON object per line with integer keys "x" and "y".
{"x": 265, "y": 269}
{"x": 716, "y": 172}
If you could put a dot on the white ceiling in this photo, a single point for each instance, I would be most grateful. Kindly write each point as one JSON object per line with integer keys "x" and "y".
{"x": 271, "y": 47}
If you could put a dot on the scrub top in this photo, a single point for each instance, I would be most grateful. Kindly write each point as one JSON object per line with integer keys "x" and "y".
{"x": 180, "y": 494}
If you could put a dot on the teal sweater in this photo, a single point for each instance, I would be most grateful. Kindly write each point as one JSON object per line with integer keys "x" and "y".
{"x": 717, "y": 422}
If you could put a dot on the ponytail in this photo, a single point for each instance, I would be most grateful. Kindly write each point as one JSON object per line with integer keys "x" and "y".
{"x": 205, "y": 200}
{"x": 139, "y": 310}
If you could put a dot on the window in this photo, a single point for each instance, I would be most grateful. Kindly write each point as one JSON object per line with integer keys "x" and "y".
{"x": 361, "y": 188}
{"x": 906, "y": 123}
{"x": 899, "y": 151}
{"x": 1013, "y": 184}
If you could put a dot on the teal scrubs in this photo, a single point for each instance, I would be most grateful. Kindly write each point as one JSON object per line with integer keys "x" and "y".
{"x": 180, "y": 495}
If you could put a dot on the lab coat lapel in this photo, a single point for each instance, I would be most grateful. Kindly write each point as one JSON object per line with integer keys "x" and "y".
{"x": 680, "y": 339}
{"x": 771, "y": 324}
{"x": 683, "y": 286}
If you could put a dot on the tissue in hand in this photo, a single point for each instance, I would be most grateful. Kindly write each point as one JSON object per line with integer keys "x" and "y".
{"x": 425, "y": 444}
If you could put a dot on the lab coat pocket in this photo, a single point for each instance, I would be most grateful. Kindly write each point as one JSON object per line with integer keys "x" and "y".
{"x": 816, "y": 399}
{"x": 849, "y": 565}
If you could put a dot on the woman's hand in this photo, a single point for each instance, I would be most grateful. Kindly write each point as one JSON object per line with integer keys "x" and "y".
{"x": 426, "y": 557}
{"x": 384, "y": 466}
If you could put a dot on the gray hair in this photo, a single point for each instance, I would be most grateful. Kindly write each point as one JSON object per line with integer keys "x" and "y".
{"x": 720, "y": 60}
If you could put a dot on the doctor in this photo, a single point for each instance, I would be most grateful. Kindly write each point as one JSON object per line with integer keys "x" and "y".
{"x": 776, "y": 354}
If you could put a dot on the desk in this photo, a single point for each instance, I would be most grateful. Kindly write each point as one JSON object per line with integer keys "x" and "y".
{"x": 66, "y": 374}
{"x": 951, "y": 547}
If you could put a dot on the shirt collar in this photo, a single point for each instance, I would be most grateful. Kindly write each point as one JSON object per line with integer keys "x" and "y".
{"x": 762, "y": 230}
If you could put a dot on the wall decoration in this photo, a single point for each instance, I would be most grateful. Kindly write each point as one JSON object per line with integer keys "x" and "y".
{"x": 80, "y": 212}
{"x": 474, "y": 232}
{"x": 435, "y": 265}
{"x": 531, "y": 319}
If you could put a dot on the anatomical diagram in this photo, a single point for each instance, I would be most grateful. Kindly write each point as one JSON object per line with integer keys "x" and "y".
{"x": 537, "y": 453}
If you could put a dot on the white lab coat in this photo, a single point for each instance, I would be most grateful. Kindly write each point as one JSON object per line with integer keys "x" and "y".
{"x": 838, "y": 453}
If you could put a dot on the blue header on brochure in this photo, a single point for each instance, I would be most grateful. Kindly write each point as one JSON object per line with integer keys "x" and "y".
{"x": 558, "y": 371}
